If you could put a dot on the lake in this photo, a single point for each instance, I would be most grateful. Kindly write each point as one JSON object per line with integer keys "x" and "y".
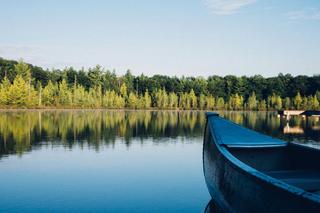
{"x": 116, "y": 161}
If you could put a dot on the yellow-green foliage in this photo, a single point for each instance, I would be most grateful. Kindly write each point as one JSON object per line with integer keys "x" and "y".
{"x": 235, "y": 102}
{"x": 22, "y": 93}
{"x": 147, "y": 100}
{"x": 49, "y": 94}
{"x": 210, "y": 102}
{"x": 132, "y": 101}
{"x": 252, "y": 102}
{"x": 4, "y": 91}
{"x": 64, "y": 94}
{"x": 161, "y": 99}
{"x": 173, "y": 101}
{"x": 298, "y": 101}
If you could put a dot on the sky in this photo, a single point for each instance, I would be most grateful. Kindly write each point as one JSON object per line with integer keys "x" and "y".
{"x": 170, "y": 37}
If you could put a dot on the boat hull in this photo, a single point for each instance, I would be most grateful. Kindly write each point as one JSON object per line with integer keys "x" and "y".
{"x": 236, "y": 190}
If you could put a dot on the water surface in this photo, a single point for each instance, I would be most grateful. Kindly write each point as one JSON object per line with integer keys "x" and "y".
{"x": 116, "y": 161}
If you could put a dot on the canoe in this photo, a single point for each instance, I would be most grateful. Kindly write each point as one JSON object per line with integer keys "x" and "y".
{"x": 246, "y": 171}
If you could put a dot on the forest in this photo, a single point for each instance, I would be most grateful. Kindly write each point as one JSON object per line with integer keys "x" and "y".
{"x": 27, "y": 86}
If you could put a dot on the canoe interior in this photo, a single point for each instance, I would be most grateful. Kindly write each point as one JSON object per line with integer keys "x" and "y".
{"x": 246, "y": 171}
{"x": 294, "y": 164}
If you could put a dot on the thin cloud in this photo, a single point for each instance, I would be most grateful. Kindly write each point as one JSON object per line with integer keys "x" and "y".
{"x": 306, "y": 14}
{"x": 16, "y": 51}
{"x": 41, "y": 55}
{"x": 226, "y": 7}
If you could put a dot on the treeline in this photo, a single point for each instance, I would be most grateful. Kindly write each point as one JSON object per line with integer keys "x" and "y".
{"x": 28, "y": 86}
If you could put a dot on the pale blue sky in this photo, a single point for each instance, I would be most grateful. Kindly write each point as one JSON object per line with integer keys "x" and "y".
{"x": 173, "y": 37}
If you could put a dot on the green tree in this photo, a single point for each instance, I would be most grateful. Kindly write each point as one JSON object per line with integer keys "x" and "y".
{"x": 305, "y": 104}
{"x": 110, "y": 99}
{"x": 64, "y": 94}
{"x": 318, "y": 94}
{"x": 147, "y": 100}
{"x": 193, "y": 99}
{"x": 95, "y": 97}
{"x": 220, "y": 103}
{"x": 184, "y": 101}
{"x": 95, "y": 76}
{"x": 39, "y": 94}
{"x": 79, "y": 96}
{"x": 287, "y": 103}
{"x": 128, "y": 80}
{"x": 252, "y": 102}
{"x": 262, "y": 105}
{"x": 124, "y": 91}
{"x": 235, "y": 102}
{"x": 173, "y": 100}
{"x": 274, "y": 102}
{"x": 210, "y": 102}
{"x": 4, "y": 91}
{"x": 18, "y": 92}
{"x": 202, "y": 101}
{"x": 161, "y": 99}
{"x": 140, "y": 102}
{"x": 23, "y": 70}
{"x": 132, "y": 101}
{"x": 119, "y": 102}
{"x": 49, "y": 94}
{"x": 314, "y": 102}
{"x": 298, "y": 101}
{"x": 278, "y": 103}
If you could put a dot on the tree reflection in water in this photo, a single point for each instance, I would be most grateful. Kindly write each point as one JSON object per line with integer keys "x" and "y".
{"x": 22, "y": 131}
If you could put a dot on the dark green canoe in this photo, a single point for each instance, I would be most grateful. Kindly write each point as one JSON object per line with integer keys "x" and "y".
{"x": 246, "y": 171}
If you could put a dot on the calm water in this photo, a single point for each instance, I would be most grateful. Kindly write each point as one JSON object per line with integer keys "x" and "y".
{"x": 116, "y": 161}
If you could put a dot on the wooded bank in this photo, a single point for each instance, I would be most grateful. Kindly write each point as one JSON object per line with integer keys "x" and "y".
{"x": 27, "y": 86}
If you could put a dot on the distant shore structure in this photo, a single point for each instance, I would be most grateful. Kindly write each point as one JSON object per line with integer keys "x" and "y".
{"x": 303, "y": 113}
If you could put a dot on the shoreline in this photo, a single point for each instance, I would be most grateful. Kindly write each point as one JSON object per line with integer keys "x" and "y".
{"x": 124, "y": 109}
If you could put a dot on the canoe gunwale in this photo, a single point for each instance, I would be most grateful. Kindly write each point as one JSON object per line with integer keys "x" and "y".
{"x": 253, "y": 173}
